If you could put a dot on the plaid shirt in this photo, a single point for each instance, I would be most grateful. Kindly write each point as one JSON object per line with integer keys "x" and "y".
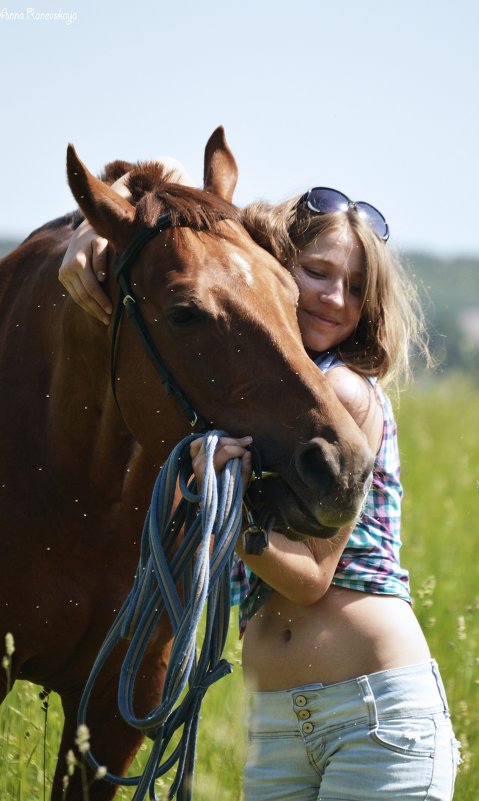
{"x": 370, "y": 560}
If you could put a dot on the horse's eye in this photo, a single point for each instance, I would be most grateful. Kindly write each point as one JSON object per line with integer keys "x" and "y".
{"x": 184, "y": 315}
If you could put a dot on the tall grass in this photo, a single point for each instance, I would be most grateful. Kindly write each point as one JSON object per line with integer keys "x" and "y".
{"x": 439, "y": 442}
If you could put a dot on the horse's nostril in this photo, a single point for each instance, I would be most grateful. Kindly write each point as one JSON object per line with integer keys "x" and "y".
{"x": 317, "y": 465}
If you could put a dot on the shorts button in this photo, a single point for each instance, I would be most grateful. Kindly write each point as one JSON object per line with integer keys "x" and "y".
{"x": 304, "y": 714}
{"x": 307, "y": 727}
{"x": 300, "y": 700}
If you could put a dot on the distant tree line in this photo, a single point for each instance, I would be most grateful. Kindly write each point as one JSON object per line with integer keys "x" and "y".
{"x": 449, "y": 290}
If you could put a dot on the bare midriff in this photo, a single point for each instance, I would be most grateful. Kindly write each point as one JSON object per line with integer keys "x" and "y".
{"x": 343, "y": 635}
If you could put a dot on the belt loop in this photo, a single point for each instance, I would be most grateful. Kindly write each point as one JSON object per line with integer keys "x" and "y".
{"x": 440, "y": 684}
{"x": 369, "y": 700}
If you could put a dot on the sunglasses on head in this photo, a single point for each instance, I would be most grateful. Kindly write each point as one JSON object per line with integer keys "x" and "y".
{"x": 323, "y": 200}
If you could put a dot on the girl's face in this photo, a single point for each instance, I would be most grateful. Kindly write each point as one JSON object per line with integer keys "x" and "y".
{"x": 330, "y": 276}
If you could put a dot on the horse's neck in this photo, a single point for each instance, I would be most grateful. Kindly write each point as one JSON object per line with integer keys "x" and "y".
{"x": 92, "y": 443}
{"x": 59, "y": 422}
{"x": 89, "y": 440}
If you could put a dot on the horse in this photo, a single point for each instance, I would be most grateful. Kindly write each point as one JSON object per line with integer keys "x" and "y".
{"x": 78, "y": 461}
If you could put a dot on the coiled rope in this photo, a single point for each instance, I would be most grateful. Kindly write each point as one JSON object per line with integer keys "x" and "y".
{"x": 202, "y": 563}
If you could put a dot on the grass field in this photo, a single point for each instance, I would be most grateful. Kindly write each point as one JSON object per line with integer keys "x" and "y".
{"x": 439, "y": 444}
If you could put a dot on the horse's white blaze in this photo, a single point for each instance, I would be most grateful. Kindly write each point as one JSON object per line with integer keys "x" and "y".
{"x": 244, "y": 268}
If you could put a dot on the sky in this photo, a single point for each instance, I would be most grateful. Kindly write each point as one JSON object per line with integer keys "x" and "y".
{"x": 378, "y": 99}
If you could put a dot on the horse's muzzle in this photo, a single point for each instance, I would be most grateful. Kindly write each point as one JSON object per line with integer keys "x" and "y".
{"x": 322, "y": 490}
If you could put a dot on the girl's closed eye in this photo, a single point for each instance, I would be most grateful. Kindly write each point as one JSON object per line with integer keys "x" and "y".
{"x": 314, "y": 273}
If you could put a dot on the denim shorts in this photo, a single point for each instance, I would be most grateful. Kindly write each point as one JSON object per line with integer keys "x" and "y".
{"x": 386, "y": 736}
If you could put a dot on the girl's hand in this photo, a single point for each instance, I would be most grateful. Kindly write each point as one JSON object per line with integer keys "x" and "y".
{"x": 82, "y": 270}
{"x": 85, "y": 264}
{"x": 226, "y": 449}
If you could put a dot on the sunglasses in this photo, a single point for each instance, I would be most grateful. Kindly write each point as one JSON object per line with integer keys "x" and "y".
{"x": 323, "y": 200}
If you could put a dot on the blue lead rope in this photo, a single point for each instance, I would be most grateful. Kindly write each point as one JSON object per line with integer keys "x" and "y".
{"x": 202, "y": 563}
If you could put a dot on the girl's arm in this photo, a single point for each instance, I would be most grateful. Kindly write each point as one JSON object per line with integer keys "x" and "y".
{"x": 300, "y": 571}
{"x": 303, "y": 571}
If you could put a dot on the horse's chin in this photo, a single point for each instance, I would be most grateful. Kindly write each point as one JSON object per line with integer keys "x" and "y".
{"x": 292, "y": 515}
{"x": 303, "y": 528}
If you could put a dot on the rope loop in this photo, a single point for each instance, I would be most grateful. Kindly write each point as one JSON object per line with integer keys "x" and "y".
{"x": 201, "y": 561}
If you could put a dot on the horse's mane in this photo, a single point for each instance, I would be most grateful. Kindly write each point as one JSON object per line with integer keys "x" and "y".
{"x": 154, "y": 192}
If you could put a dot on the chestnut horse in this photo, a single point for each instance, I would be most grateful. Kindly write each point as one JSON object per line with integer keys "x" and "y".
{"x": 77, "y": 468}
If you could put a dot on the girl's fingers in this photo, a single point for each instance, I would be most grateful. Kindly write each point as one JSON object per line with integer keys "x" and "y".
{"x": 227, "y": 448}
{"x": 198, "y": 444}
{"x": 99, "y": 249}
{"x": 95, "y": 299}
{"x": 195, "y": 447}
{"x": 100, "y": 270}
{"x": 76, "y": 288}
{"x": 246, "y": 469}
{"x": 225, "y": 453}
{"x": 86, "y": 253}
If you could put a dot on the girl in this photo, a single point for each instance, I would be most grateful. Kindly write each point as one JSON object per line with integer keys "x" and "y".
{"x": 344, "y": 700}
{"x": 345, "y": 703}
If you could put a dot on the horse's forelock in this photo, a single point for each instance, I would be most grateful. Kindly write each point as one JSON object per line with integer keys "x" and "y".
{"x": 153, "y": 193}
{"x": 147, "y": 177}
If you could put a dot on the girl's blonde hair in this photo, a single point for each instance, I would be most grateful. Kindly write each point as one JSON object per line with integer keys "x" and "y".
{"x": 392, "y": 323}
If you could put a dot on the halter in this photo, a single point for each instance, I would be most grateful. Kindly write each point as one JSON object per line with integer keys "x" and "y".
{"x": 255, "y": 536}
{"x": 128, "y": 301}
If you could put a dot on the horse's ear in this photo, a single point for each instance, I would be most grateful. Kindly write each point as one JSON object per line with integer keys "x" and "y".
{"x": 110, "y": 215}
{"x": 221, "y": 171}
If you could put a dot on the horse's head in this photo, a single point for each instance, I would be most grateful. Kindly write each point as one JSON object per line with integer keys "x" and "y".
{"x": 221, "y": 313}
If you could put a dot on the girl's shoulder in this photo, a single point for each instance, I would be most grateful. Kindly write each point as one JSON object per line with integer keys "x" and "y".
{"x": 351, "y": 387}
{"x": 359, "y": 394}
{"x": 356, "y": 392}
